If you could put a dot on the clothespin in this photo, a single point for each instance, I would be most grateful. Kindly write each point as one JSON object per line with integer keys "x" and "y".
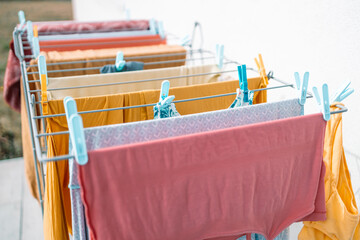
{"x": 302, "y": 86}
{"x": 164, "y": 92}
{"x": 323, "y": 101}
{"x": 243, "y": 82}
{"x": 36, "y": 45}
{"x": 219, "y": 55}
{"x": 152, "y": 26}
{"x": 185, "y": 40}
{"x": 22, "y": 20}
{"x": 76, "y": 130}
{"x": 160, "y": 29}
{"x": 120, "y": 62}
{"x": 261, "y": 68}
{"x": 30, "y": 34}
{"x": 43, "y": 82}
{"x": 342, "y": 92}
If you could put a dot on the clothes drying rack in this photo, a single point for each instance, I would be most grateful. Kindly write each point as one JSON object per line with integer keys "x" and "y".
{"x": 39, "y": 147}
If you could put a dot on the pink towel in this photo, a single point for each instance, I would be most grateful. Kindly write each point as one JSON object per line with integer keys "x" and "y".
{"x": 257, "y": 178}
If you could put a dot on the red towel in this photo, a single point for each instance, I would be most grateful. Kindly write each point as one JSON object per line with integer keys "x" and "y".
{"x": 257, "y": 178}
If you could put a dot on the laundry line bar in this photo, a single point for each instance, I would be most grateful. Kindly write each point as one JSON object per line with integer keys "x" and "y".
{"x": 146, "y": 64}
{"x": 137, "y": 81}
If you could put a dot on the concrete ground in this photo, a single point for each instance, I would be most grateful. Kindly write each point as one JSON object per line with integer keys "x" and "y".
{"x": 20, "y": 213}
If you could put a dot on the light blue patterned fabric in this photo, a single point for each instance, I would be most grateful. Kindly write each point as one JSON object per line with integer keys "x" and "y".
{"x": 165, "y": 111}
{"x": 239, "y": 100}
{"x": 79, "y": 228}
{"x": 284, "y": 235}
{"x": 128, "y": 133}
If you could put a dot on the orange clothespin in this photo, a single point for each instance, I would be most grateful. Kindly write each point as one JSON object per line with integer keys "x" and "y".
{"x": 261, "y": 68}
{"x": 35, "y": 31}
{"x": 43, "y": 82}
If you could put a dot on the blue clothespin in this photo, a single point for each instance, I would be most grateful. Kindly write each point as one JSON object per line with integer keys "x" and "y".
{"x": 76, "y": 130}
{"x": 243, "y": 82}
{"x": 219, "y": 55}
{"x": 30, "y": 34}
{"x": 43, "y": 82}
{"x": 164, "y": 92}
{"x": 36, "y": 45}
{"x": 185, "y": 40}
{"x": 323, "y": 101}
{"x": 120, "y": 62}
{"x": 128, "y": 14}
{"x": 302, "y": 86}
{"x": 152, "y": 26}
{"x": 42, "y": 69}
{"x": 160, "y": 29}
{"x": 343, "y": 92}
{"x": 22, "y": 20}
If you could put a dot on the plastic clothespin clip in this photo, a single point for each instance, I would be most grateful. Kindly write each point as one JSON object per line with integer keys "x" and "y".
{"x": 185, "y": 40}
{"x": 29, "y": 29}
{"x": 36, "y": 45}
{"x": 43, "y": 83}
{"x": 261, "y": 68}
{"x": 128, "y": 14}
{"x": 343, "y": 92}
{"x": 22, "y": 19}
{"x": 219, "y": 55}
{"x": 243, "y": 82}
{"x": 76, "y": 130}
{"x": 323, "y": 101}
{"x": 160, "y": 29}
{"x": 152, "y": 26}
{"x": 302, "y": 86}
{"x": 164, "y": 92}
{"x": 120, "y": 62}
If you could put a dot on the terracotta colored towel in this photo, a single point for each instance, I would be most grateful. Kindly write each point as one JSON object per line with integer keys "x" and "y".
{"x": 98, "y": 54}
{"x": 255, "y": 178}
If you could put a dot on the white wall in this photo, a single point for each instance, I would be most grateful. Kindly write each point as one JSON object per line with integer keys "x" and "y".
{"x": 319, "y": 36}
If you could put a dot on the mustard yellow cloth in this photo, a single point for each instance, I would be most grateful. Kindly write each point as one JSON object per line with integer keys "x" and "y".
{"x": 57, "y": 211}
{"x": 342, "y": 221}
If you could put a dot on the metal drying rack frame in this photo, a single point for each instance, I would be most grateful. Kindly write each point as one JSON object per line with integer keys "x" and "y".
{"x": 39, "y": 150}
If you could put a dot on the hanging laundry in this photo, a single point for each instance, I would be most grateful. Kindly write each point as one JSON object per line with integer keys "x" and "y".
{"x": 342, "y": 220}
{"x": 129, "y": 66}
{"x": 57, "y": 197}
{"x": 83, "y": 60}
{"x": 228, "y": 180}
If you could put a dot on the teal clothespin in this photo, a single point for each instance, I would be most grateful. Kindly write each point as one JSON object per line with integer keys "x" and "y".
{"x": 219, "y": 55}
{"x": 120, "y": 62}
{"x": 302, "y": 86}
{"x": 30, "y": 33}
{"x": 160, "y": 29}
{"x": 185, "y": 40}
{"x": 42, "y": 68}
{"x": 152, "y": 26}
{"x": 323, "y": 101}
{"x": 342, "y": 92}
{"x": 243, "y": 82}
{"x": 76, "y": 130}
{"x": 164, "y": 92}
{"x": 22, "y": 20}
{"x": 36, "y": 47}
